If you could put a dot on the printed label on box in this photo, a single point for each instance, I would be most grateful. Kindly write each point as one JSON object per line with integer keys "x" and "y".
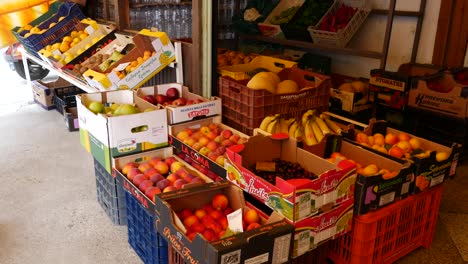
{"x": 233, "y": 257}
{"x": 263, "y": 258}
{"x": 281, "y": 249}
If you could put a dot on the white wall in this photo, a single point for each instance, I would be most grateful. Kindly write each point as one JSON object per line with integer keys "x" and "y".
{"x": 371, "y": 36}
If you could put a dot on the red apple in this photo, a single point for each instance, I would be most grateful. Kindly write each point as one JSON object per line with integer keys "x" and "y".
{"x": 172, "y": 93}
{"x": 234, "y": 138}
{"x": 161, "y": 99}
{"x": 226, "y": 133}
{"x": 190, "y": 102}
{"x": 179, "y": 102}
{"x": 150, "y": 99}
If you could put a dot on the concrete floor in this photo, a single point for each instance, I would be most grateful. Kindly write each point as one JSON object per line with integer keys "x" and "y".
{"x": 48, "y": 207}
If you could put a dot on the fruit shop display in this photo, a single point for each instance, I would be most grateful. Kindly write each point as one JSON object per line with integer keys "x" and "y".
{"x": 310, "y": 129}
{"x": 363, "y": 169}
{"x": 28, "y": 30}
{"x": 131, "y": 66}
{"x": 211, "y": 222}
{"x": 91, "y": 63}
{"x": 159, "y": 175}
{"x": 287, "y": 170}
{"x": 232, "y": 57}
{"x": 199, "y": 167}
{"x": 400, "y": 145}
{"x": 338, "y": 20}
{"x": 59, "y": 50}
{"x": 172, "y": 97}
{"x": 211, "y": 141}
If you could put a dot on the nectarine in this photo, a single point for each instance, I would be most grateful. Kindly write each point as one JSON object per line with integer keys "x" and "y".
{"x": 162, "y": 167}
{"x": 190, "y": 220}
{"x": 396, "y": 152}
{"x": 200, "y": 213}
{"x": 220, "y": 201}
{"x": 175, "y": 166}
{"x": 126, "y": 168}
{"x": 132, "y": 173}
{"x": 391, "y": 138}
{"x": 144, "y": 185}
{"x": 144, "y": 166}
{"x": 251, "y": 216}
{"x": 152, "y": 191}
{"x": 252, "y": 226}
{"x": 138, "y": 179}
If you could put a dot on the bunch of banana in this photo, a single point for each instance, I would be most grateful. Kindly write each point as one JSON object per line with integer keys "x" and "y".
{"x": 316, "y": 127}
{"x": 276, "y": 124}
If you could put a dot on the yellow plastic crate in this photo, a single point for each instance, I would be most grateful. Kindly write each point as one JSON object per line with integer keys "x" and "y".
{"x": 241, "y": 71}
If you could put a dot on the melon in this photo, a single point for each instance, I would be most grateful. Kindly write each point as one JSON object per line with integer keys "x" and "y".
{"x": 287, "y": 86}
{"x": 263, "y": 81}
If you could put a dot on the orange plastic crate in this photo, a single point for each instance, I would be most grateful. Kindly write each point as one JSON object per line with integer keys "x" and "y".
{"x": 385, "y": 235}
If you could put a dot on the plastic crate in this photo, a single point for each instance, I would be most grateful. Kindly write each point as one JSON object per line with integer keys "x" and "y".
{"x": 247, "y": 107}
{"x": 110, "y": 195}
{"x": 319, "y": 255}
{"x": 143, "y": 237}
{"x": 72, "y": 15}
{"x": 389, "y": 233}
{"x": 65, "y": 98}
{"x": 243, "y": 71}
{"x": 343, "y": 36}
{"x": 71, "y": 119}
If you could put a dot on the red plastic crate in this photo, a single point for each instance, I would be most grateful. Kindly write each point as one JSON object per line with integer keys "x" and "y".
{"x": 385, "y": 235}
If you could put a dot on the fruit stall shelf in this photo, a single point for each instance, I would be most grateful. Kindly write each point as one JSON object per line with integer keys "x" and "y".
{"x": 142, "y": 234}
{"x": 390, "y": 233}
{"x": 110, "y": 195}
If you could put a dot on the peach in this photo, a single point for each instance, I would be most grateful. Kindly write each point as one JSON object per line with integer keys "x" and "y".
{"x": 379, "y": 139}
{"x": 172, "y": 178}
{"x": 156, "y": 177}
{"x": 213, "y": 155}
{"x": 216, "y": 214}
{"x": 132, "y": 173}
{"x": 396, "y": 152}
{"x": 204, "y": 151}
{"x": 176, "y": 165}
{"x": 212, "y": 126}
{"x": 186, "y": 213}
{"x": 204, "y": 141}
{"x": 162, "y": 167}
{"x": 226, "y": 133}
{"x": 251, "y": 216}
{"x": 415, "y": 143}
{"x": 190, "y": 220}
{"x": 227, "y": 143}
{"x": 252, "y": 226}
{"x": 404, "y": 136}
{"x": 211, "y": 135}
{"x": 162, "y": 184}
{"x": 361, "y": 137}
{"x": 169, "y": 189}
{"x": 154, "y": 161}
{"x": 391, "y": 138}
{"x": 220, "y": 160}
{"x": 197, "y": 146}
{"x": 197, "y": 135}
{"x": 212, "y": 145}
{"x": 182, "y": 172}
{"x": 182, "y": 135}
{"x": 219, "y": 139}
{"x": 234, "y": 138}
{"x": 405, "y": 146}
{"x": 209, "y": 235}
{"x": 126, "y": 168}
{"x": 144, "y": 166}
{"x": 370, "y": 140}
{"x": 179, "y": 183}
{"x": 144, "y": 185}
{"x": 188, "y": 178}
{"x": 139, "y": 179}
{"x": 197, "y": 228}
{"x": 189, "y": 141}
{"x": 200, "y": 213}
{"x": 220, "y": 201}
{"x": 169, "y": 160}
{"x": 205, "y": 130}
{"x": 152, "y": 191}
{"x": 150, "y": 172}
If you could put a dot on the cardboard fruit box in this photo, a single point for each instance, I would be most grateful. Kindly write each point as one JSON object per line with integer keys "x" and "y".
{"x": 315, "y": 230}
{"x": 374, "y": 190}
{"x": 198, "y": 108}
{"x": 391, "y": 88}
{"x": 105, "y": 136}
{"x": 284, "y": 11}
{"x": 440, "y": 93}
{"x": 204, "y": 159}
{"x": 130, "y": 187}
{"x": 269, "y": 243}
{"x": 428, "y": 168}
{"x": 146, "y": 40}
{"x": 43, "y": 92}
{"x": 295, "y": 199}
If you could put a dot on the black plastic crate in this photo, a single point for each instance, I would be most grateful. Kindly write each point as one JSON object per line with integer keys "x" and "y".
{"x": 64, "y": 97}
{"x": 110, "y": 195}
{"x": 70, "y": 117}
{"x": 143, "y": 237}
